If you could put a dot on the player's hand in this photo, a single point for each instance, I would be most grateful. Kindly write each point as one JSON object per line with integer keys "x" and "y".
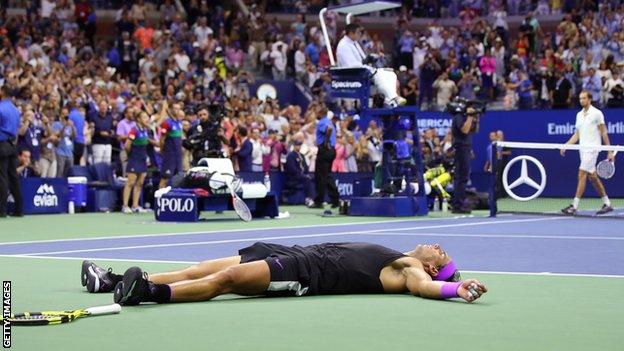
{"x": 471, "y": 289}
{"x": 611, "y": 156}
{"x": 562, "y": 152}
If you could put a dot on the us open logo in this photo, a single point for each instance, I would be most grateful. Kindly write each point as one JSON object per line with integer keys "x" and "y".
{"x": 175, "y": 205}
{"x": 45, "y": 197}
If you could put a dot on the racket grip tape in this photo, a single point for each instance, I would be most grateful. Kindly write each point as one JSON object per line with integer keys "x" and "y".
{"x": 108, "y": 309}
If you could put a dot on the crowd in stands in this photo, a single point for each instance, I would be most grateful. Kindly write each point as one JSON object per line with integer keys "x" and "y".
{"x": 80, "y": 94}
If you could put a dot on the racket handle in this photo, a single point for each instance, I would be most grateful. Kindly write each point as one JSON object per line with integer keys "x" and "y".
{"x": 108, "y": 309}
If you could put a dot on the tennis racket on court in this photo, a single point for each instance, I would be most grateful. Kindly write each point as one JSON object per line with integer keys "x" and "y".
{"x": 240, "y": 207}
{"x": 59, "y": 317}
{"x": 606, "y": 168}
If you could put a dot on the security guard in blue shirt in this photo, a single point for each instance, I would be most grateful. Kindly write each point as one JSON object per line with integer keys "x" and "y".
{"x": 326, "y": 143}
{"x": 9, "y": 181}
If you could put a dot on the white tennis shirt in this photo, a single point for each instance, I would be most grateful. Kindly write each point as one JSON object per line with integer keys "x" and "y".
{"x": 587, "y": 126}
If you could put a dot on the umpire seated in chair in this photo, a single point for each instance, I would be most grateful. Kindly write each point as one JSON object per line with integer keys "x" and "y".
{"x": 296, "y": 170}
{"x": 350, "y": 54}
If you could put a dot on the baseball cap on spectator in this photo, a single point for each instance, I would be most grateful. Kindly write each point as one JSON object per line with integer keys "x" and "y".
{"x": 402, "y": 68}
{"x": 298, "y": 142}
{"x": 87, "y": 81}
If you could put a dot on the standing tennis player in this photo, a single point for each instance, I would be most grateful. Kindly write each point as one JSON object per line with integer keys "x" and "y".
{"x": 590, "y": 128}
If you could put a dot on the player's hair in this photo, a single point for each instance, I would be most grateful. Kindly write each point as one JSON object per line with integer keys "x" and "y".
{"x": 589, "y": 95}
{"x": 351, "y": 28}
{"x": 242, "y": 131}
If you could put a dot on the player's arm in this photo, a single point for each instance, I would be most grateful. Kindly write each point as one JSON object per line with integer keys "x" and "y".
{"x": 605, "y": 139}
{"x": 573, "y": 140}
{"x": 419, "y": 283}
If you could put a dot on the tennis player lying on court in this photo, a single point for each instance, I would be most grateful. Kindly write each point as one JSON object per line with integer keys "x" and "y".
{"x": 276, "y": 270}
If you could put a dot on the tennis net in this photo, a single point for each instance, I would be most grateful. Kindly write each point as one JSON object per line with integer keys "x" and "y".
{"x": 536, "y": 178}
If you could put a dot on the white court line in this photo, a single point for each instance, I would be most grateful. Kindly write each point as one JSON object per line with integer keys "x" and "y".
{"x": 193, "y": 262}
{"x": 373, "y": 232}
{"x": 513, "y": 236}
{"x": 97, "y": 259}
{"x": 548, "y": 274}
{"x": 228, "y": 231}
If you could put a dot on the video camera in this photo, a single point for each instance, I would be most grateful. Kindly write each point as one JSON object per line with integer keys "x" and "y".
{"x": 459, "y": 106}
{"x": 205, "y": 139}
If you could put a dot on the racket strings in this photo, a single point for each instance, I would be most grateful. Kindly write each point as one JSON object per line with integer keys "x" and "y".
{"x": 241, "y": 209}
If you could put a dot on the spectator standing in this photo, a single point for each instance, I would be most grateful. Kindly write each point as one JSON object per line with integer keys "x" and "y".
{"x": 77, "y": 118}
{"x": 103, "y": 134}
{"x": 446, "y": 89}
{"x": 296, "y": 171}
{"x": 244, "y": 151}
{"x": 66, "y": 133}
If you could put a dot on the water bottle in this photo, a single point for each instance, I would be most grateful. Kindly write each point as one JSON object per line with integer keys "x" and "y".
{"x": 267, "y": 181}
{"x": 70, "y": 208}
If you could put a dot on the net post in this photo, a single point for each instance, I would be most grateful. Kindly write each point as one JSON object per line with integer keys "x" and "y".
{"x": 493, "y": 178}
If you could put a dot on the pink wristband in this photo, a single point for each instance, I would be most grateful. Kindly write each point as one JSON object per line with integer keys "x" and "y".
{"x": 449, "y": 290}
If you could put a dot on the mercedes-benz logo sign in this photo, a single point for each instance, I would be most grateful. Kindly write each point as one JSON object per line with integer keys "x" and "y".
{"x": 524, "y": 178}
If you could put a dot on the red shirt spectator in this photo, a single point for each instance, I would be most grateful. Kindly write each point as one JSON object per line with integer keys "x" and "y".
{"x": 82, "y": 10}
{"x": 144, "y": 36}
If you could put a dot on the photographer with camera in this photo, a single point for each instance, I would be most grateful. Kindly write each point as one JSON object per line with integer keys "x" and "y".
{"x": 465, "y": 123}
{"x": 206, "y": 138}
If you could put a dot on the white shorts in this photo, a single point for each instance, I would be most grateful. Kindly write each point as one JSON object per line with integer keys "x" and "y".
{"x": 588, "y": 160}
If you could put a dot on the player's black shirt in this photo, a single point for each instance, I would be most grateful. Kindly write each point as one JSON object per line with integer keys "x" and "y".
{"x": 332, "y": 268}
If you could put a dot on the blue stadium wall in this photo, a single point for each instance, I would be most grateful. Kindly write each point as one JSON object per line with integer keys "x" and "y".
{"x": 544, "y": 126}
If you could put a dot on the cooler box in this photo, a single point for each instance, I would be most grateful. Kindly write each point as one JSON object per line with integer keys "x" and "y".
{"x": 77, "y": 190}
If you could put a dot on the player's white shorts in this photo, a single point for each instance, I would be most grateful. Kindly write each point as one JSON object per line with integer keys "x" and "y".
{"x": 588, "y": 160}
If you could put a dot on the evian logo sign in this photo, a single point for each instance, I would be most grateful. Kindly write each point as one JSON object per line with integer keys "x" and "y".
{"x": 345, "y": 84}
{"x": 45, "y": 196}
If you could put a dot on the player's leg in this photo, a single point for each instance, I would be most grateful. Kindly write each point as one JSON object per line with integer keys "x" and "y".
{"x": 195, "y": 271}
{"x": 597, "y": 183}
{"x": 251, "y": 278}
{"x": 99, "y": 279}
{"x": 582, "y": 182}
{"x": 580, "y": 190}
